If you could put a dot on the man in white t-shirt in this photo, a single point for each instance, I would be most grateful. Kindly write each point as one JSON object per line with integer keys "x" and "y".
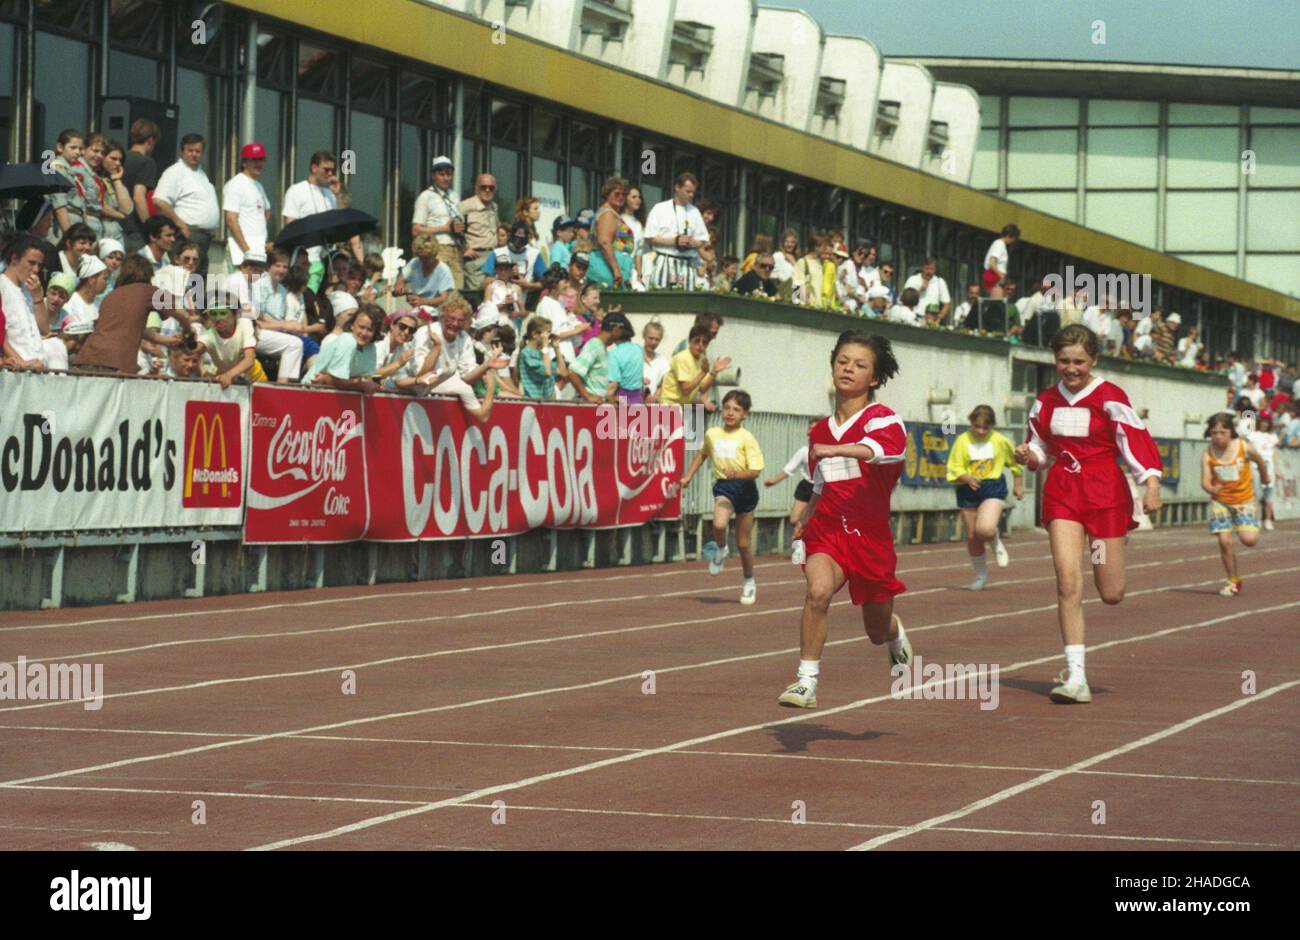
{"x": 437, "y": 213}
{"x": 996, "y": 259}
{"x": 931, "y": 289}
{"x": 246, "y": 206}
{"x": 319, "y": 192}
{"x": 187, "y": 197}
{"x": 23, "y": 303}
{"x": 964, "y": 309}
{"x": 675, "y": 230}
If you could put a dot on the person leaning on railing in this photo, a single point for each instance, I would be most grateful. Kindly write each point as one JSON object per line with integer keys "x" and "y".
{"x": 119, "y": 328}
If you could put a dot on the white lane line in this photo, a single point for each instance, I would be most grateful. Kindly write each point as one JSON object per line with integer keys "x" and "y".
{"x": 813, "y": 823}
{"x": 1009, "y": 792}
{"x": 765, "y": 755}
{"x": 111, "y": 847}
{"x": 688, "y": 569}
{"x": 677, "y": 746}
{"x": 151, "y": 832}
{"x": 539, "y": 641}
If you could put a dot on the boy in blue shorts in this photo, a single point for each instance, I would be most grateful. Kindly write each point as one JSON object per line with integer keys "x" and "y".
{"x": 737, "y": 463}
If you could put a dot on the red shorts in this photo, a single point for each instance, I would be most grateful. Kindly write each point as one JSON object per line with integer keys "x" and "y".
{"x": 867, "y": 558}
{"x": 991, "y": 279}
{"x": 1097, "y": 497}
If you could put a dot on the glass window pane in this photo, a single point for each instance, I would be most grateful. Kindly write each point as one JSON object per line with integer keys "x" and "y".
{"x": 1267, "y": 228}
{"x": 198, "y": 95}
{"x": 1203, "y": 157}
{"x": 75, "y": 15}
{"x": 1061, "y": 204}
{"x": 419, "y": 100}
{"x": 370, "y": 86}
{"x": 1202, "y": 114}
{"x": 8, "y": 106}
{"x": 1042, "y": 159}
{"x": 413, "y": 178}
{"x": 1126, "y": 215}
{"x": 653, "y": 193}
{"x": 586, "y": 149}
{"x": 1122, "y": 159}
{"x": 62, "y": 88}
{"x": 138, "y": 23}
{"x": 547, "y": 171}
{"x": 268, "y": 122}
{"x": 509, "y": 124}
{"x": 1278, "y": 157}
{"x": 315, "y": 132}
{"x": 472, "y": 101}
{"x": 132, "y": 75}
{"x": 548, "y": 134}
{"x": 505, "y": 167}
{"x": 320, "y": 71}
{"x": 366, "y": 186}
{"x": 984, "y": 174}
{"x": 1043, "y": 112}
{"x": 274, "y": 63}
{"x": 1102, "y": 112}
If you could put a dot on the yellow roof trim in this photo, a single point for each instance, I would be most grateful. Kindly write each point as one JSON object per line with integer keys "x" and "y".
{"x": 469, "y": 46}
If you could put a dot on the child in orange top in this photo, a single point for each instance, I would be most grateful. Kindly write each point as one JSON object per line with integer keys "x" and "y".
{"x": 1225, "y": 475}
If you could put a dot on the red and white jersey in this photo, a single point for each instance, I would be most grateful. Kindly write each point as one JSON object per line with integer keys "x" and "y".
{"x": 859, "y": 489}
{"x": 1096, "y": 423}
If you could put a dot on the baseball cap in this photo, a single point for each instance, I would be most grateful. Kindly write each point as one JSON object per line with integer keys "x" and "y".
{"x": 503, "y": 256}
{"x": 78, "y": 327}
{"x": 252, "y": 152}
{"x": 1173, "y": 318}
{"x": 109, "y": 245}
{"x": 581, "y": 258}
{"x": 443, "y": 163}
{"x": 878, "y": 292}
{"x": 617, "y": 318}
{"x": 562, "y": 222}
{"x": 255, "y": 256}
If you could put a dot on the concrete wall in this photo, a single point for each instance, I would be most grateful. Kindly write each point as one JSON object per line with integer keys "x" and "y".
{"x": 724, "y": 76}
{"x": 959, "y": 107}
{"x": 858, "y": 63}
{"x": 797, "y": 36}
{"x": 913, "y": 87}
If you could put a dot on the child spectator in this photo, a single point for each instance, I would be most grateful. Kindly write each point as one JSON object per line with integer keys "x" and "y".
{"x": 229, "y": 341}
{"x": 540, "y": 360}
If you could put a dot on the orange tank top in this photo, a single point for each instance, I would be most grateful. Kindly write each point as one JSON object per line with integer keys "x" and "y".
{"x": 1233, "y": 475}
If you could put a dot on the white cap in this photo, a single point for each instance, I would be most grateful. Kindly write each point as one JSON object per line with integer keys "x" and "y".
{"x": 878, "y": 292}
{"x": 1173, "y": 318}
{"x": 341, "y": 301}
{"x": 90, "y": 266}
{"x": 255, "y": 255}
{"x": 488, "y": 315}
{"x": 109, "y": 245}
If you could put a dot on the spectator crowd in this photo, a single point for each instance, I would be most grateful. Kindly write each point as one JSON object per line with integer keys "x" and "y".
{"x": 111, "y": 274}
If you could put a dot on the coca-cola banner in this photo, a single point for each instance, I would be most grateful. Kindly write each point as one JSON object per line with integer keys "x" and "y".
{"x": 307, "y": 473}
{"x": 85, "y": 453}
{"x": 436, "y": 474}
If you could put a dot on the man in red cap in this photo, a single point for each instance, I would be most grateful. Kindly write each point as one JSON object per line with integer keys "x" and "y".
{"x": 246, "y": 206}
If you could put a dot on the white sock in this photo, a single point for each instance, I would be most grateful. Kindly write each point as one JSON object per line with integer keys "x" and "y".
{"x": 896, "y": 644}
{"x": 808, "y": 670}
{"x": 749, "y": 579}
{"x": 1074, "y": 661}
{"x": 981, "y": 565}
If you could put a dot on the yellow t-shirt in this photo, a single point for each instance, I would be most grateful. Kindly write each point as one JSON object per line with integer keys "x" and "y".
{"x": 984, "y": 460}
{"x": 732, "y": 450}
{"x": 683, "y": 368}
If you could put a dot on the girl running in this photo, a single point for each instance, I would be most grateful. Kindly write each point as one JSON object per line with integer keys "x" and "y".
{"x": 856, "y": 456}
{"x": 797, "y": 464}
{"x": 737, "y": 463}
{"x": 1225, "y": 475}
{"x": 1084, "y": 423}
{"x": 976, "y": 464}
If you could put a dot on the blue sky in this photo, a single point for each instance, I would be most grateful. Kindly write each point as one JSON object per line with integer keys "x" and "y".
{"x": 1245, "y": 33}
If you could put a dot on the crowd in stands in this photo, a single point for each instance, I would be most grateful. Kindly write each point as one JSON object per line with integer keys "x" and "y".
{"x": 111, "y": 274}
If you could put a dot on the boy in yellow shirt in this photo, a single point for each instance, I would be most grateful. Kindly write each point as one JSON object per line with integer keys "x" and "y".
{"x": 737, "y": 463}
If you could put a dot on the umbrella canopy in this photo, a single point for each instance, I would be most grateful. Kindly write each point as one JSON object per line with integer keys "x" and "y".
{"x": 325, "y": 228}
{"x": 26, "y": 180}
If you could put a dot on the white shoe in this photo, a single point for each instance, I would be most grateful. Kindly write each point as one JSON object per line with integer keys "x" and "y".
{"x": 977, "y": 584}
{"x": 799, "y": 694}
{"x": 715, "y": 563}
{"x": 1071, "y": 691}
{"x": 1230, "y": 589}
{"x": 1268, "y": 524}
{"x": 1000, "y": 553}
{"x": 904, "y": 655}
{"x": 748, "y": 592}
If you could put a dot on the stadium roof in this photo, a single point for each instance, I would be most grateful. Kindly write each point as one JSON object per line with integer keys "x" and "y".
{"x": 1124, "y": 80}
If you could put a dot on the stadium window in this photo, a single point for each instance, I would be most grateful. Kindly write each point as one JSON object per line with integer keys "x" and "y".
{"x": 62, "y": 92}
{"x": 8, "y": 102}
{"x": 796, "y": 209}
{"x": 200, "y": 95}
{"x": 73, "y": 16}
{"x": 316, "y": 130}
{"x": 548, "y": 148}
{"x": 269, "y": 127}
{"x": 274, "y": 61}
{"x": 320, "y": 72}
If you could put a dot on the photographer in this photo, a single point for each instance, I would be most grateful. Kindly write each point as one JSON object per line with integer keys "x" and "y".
{"x": 425, "y": 281}
{"x": 437, "y": 213}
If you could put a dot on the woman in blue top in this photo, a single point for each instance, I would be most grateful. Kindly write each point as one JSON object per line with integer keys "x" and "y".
{"x": 611, "y": 261}
{"x": 349, "y": 361}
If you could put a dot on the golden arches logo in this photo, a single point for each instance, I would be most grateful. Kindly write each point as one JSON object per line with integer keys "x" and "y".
{"x": 210, "y": 429}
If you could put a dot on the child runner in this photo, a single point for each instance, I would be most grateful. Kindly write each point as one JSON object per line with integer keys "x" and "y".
{"x": 1225, "y": 475}
{"x": 976, "y": 464}
{"x": 856, "y": 456}
{"x": 737, "y": 463}
{"x": 1084, "y": 423}
{"x": 804, "y": 489}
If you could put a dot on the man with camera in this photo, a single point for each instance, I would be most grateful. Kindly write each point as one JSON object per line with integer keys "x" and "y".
{"x": 675, "y": 229}
{"x": 437, "y": 213}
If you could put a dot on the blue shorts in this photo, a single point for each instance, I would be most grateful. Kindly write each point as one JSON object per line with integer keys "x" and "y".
{"x": 742, "y": 493}
{"x": 989, "y": 489}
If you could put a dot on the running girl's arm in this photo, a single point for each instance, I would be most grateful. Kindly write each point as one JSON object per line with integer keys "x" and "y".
{"x": 959, "y": 461}
{"x": 1033, "y": 452}
{"x": 776, "y": 479}
{"x": 808, "y": 511}
{"x": 1133, "y": 440}
{"x": 1265, "y": 471}
{"x": 1208, "y": 483}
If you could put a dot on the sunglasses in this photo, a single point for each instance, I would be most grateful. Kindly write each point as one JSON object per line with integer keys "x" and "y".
{"x": 404, "y": 327}
{"x": 763, "y": 267}
{"x": 487, "y": 188}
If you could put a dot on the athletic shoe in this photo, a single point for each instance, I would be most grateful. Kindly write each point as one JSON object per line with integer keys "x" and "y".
{"x": 799, "y": 695}
{"x": 977, "y": 584}
{"x": 748, "y": 592}
{"x": 1000, "y": 553}
{"x": 709, "y": 550}
{"x": 1230, "y": 589}
{"x": 904, "y": 656}
{"x": 1071, "y": 691}
{"x": 715, "y": 563}
{"x": 1268, "y": 524}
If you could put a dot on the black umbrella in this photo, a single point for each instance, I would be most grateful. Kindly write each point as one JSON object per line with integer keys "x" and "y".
{"x": 325, "y": 228}
{"x": 26, "y": 180}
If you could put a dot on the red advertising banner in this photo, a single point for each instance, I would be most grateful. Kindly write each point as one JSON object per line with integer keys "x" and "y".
{"x": 307, "y": 469}
{"x": 436, "y": 474}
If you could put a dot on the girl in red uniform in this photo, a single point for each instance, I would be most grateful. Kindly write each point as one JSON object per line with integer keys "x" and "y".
{"x": 1083, "y": 424}
{"x": 856, "y": 458}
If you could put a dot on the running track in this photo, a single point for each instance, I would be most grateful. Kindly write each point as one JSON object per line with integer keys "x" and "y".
{"x": 510, "y": 713}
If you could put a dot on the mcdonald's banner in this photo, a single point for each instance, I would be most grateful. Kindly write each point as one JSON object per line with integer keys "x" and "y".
{"x": 81, "y": 453}
{"x": 434, "y": 474}
{"x": 307, "y": 479}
